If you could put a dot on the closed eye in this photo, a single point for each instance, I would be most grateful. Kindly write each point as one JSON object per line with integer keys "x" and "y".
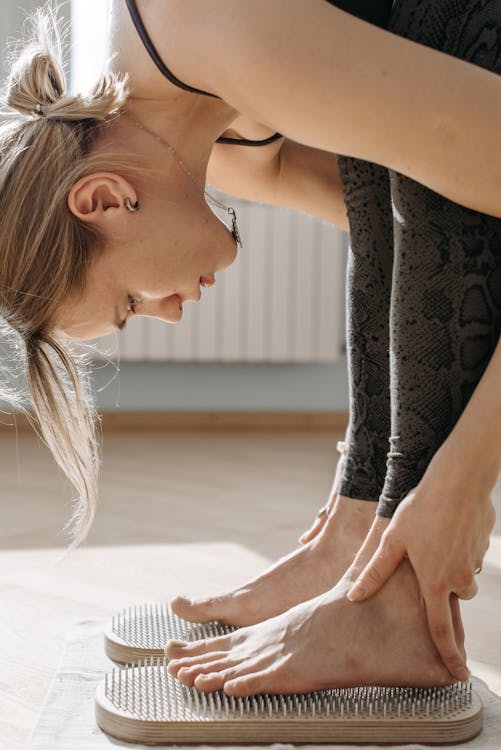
{"x": 132, "y": 304}
{"x": 131, "y": 307}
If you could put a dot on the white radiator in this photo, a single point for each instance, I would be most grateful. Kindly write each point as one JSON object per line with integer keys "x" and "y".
{"x": 280, "y": 301}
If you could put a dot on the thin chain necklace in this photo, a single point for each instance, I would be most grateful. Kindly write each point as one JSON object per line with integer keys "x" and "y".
{"x": 229, "y": 210}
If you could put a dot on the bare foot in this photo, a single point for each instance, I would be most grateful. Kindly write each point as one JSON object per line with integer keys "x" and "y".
{"x": 325, "y": 643}
{"x": 308, "y": 571}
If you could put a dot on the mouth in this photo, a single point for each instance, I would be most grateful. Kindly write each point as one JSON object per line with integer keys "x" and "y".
{"x": 204, "y": 281}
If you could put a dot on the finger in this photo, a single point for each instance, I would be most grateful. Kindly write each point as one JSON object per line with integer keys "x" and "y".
{"x": 441, "y": 627}
{"x": 457, "y": 622}
{"x": 468, "y": 592}
{"x": 319, "y": 521}
{"x": 491, "y": 516}
{"x": 380, "y": 567}
{"x": 312, "y": 532}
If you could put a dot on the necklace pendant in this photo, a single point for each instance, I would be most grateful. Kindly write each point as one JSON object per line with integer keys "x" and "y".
{"x": 234, "y": 227}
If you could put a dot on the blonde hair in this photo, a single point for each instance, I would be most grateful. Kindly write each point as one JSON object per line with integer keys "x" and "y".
{"x": 45, "y": 249}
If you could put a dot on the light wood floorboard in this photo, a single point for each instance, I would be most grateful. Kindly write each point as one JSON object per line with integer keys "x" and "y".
{"x": 189, "y": 512}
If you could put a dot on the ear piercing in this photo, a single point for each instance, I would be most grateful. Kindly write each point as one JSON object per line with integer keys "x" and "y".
{"x": 129, "y": 206}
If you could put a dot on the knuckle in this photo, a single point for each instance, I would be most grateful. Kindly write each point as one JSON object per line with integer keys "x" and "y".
{"x": 470, "y": 592}
{"x": 373, "y": 575}
{"x": 464, "y": 579}
{"x": 387, "y": 544}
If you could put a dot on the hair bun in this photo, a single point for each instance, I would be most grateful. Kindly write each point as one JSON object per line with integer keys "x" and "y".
{"x": 37, "y": 83}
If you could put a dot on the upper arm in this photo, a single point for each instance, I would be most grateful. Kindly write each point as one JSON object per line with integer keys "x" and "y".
{"x": 327, "y": 79}
{"x": 283, "y": 173}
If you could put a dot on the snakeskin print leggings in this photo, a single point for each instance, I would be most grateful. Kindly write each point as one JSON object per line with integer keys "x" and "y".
{"x": 423, "y": 288}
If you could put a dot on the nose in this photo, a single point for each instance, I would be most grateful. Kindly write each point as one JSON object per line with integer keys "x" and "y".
{"x": 208, "y": 280}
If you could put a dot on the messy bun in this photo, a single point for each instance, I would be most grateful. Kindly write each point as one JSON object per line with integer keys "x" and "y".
{"x": 45, "y": 250}
{"x": 37, "y": 85}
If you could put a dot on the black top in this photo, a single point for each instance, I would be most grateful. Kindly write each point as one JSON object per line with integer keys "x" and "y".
{"x": 373, "y": 11}
{"x": 376, "y": 12}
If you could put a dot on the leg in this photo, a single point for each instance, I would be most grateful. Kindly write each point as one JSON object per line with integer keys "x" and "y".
{"x": 318, "y": 565}
{"x": 324, "y": 643}
{"x": 446, "y": 297}
{"x": 447, "y": 292}
{"x": 369, "y": 277}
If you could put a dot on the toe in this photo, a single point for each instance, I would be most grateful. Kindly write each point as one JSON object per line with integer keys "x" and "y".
{"x": 194, "y": 661}
{"x": 184, "y": 675}
{"x": 214, "y": 677}
{"x": 218, "y": 674}
{"x": 200, "y": 610}
{"x": 254, "y": 683}
{"x": 209, "y": 682}
{"x": 179, "y": 650}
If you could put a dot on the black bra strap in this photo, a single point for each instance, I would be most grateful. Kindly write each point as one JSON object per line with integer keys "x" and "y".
{"x": 248, "y": 141}
{"x": 141, "y": 30}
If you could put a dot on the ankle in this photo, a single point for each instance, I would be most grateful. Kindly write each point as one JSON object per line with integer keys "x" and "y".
{"x": 353, "y": 514}
{"x": 346, "y": 528}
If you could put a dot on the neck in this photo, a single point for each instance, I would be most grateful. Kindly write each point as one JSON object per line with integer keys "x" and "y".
{"x": 189, "y": 123}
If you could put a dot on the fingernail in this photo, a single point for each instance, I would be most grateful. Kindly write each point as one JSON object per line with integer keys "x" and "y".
{"x": 176, "y": 644}
{"x": 463, "y": 674}
{"x": 355, "y": 593}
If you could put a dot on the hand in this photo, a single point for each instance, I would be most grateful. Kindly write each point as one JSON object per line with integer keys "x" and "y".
{"x": 325, "y": 512}
{"x": 443, "y": 526}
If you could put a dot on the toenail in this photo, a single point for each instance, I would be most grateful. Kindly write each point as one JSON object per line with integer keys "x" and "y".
{"x": 204, "y": 677}
{"x": 183, "y": 600}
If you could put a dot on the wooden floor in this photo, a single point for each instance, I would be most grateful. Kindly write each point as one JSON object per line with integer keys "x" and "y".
{"x": 179, "y": 512}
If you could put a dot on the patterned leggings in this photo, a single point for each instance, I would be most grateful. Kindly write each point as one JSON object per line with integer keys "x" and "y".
{"x": 423, "y": 288}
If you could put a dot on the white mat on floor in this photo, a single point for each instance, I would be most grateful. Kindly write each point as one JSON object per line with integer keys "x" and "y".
{"x": 67, "y": 719}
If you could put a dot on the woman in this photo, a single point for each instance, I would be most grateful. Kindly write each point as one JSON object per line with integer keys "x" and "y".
{"x": 141, "y": 239}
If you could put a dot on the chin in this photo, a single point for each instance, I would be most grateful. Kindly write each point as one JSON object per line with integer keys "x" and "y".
{"x": 232, "y": 256}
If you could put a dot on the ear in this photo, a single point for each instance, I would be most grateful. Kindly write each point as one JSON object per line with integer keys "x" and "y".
{"x": 100, "y": 197}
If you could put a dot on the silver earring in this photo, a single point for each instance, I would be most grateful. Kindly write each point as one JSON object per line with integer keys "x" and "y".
{"x": 231, "y": 211}
{"x": 130, "y": 207}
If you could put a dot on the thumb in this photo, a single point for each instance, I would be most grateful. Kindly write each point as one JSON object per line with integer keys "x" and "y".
{"x": 380, "y": 567}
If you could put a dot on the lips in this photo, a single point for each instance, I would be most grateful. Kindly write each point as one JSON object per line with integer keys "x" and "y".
{"x": 196, "y": 296}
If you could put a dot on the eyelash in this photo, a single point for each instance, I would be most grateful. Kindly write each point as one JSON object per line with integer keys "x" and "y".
{"x": 132, "y": 304}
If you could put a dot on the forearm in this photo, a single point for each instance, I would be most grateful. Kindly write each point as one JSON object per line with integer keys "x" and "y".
{"x": 476, "y": 439}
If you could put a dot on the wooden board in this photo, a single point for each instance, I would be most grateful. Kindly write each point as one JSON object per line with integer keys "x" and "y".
{"x": 143, "y": 630}
{"x": 145, "y": 704}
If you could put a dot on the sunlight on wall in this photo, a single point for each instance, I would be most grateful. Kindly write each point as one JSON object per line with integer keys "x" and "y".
{"x": 89, "y": 21}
